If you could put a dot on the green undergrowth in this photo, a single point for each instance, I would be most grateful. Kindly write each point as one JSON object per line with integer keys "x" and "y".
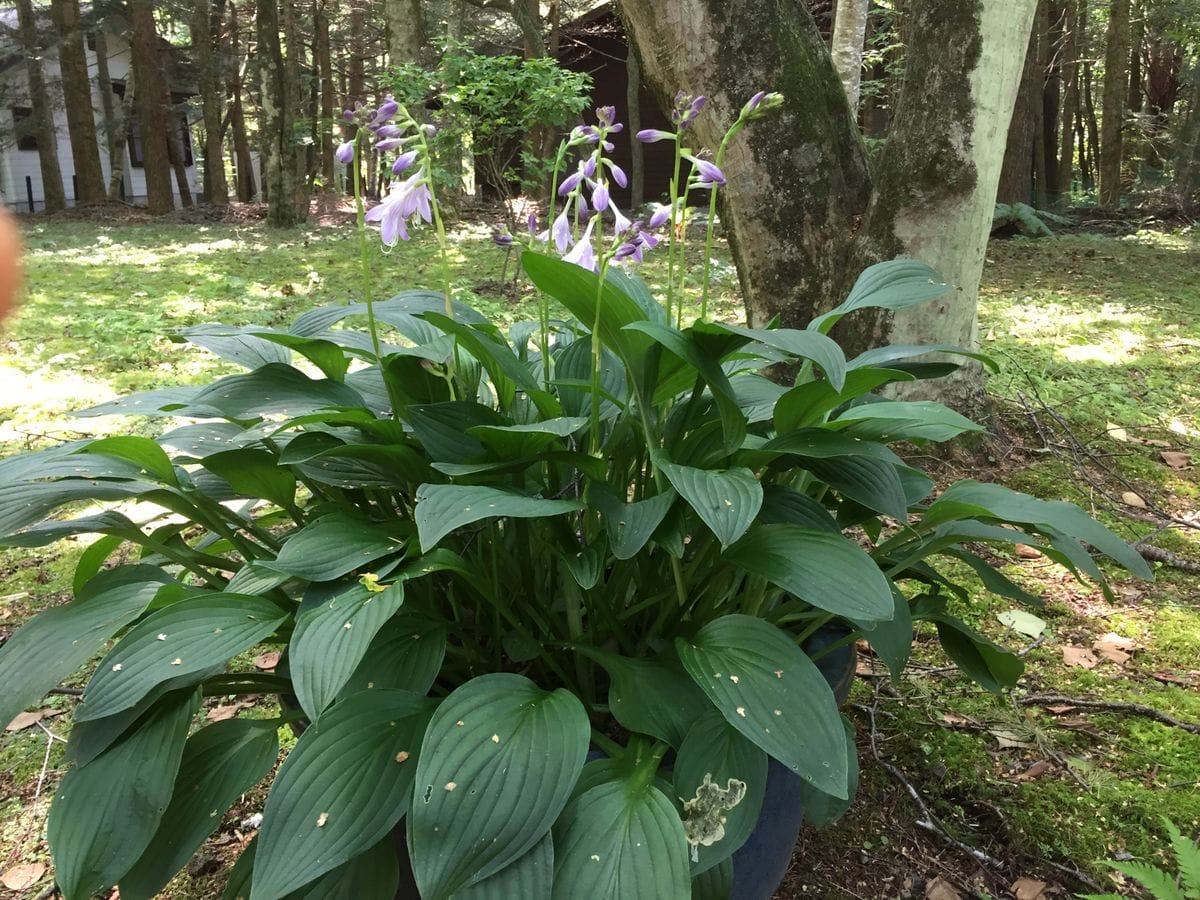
{"x": 1104, "y": 332}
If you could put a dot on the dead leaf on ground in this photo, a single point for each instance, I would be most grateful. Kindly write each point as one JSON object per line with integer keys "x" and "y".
{"x": 24, "y": 876}
{"x": 1029, "y": 889}
{"x": 1117, "y": 433}
{"x": 29, "y": 719}
{"x": 941, "y": 889}
{"x": 1175, "y": 459}
{"x": 1114, "y": 648}
{"x": 1036, "y": 771}
{"x": 1059, "y": 708}
{"x": 1079, "y": 657}
{"x": 955, "y": 719}
{"x": 223, "y": 713}
{"x": 1024, "y": 551}
{"x": 267, "y": 661}
{"x": 1009, "y": 739}
{"x": 1129, "y": 498}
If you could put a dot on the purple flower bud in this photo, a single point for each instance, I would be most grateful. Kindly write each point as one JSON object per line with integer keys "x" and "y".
{"x": 607, "y": 115}
{"x": 533, "y": 223}
{"x": 707, "y": 173}
{"x": 608, "y": 146}
{"x": 618, "y": 173}
{"x": 753, "y": 102}
{"x": 501, "y": 237}
{"x": 659, "y": 217}
{"x": 653, "y": 135}
{"x": 626, "y": 250}
{"x": 390, "y": 131}
{"x": 387, "y": 109}
{"x": 430, "y": 130}
{"x": 581, "y": 202}
{"x": 589, "y": 167}
{"x": 697, "y": 105}
{"x": 403, "y": 161}
{"x": 345, "y": 153}
{"x": 389, "y": 144}
{"x": 600, "y": 197}
{"x": 569, "y": 183}
{"x": 615, "y": 127}
{"x": 588, "y": 133}
{"x": 348, "y": 115}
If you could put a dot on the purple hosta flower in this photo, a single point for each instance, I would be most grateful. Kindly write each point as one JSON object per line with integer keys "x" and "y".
{"x": 561, "y": 231}
{"x": 618, "y": 174}
{"x": 344, "y": 153}
{"x": 636, "y": 244}
{"x": 753, "y": 102}
{"x": 620, "y": 223}
{"x": 501, "y": 237}
{"x": 600, "y": 197}
{"x": 390, "y": 131}
{"x": 410, "y": 198}
{"x": 654, "y": 135}
{"x": 589, "y": 167}
{"x": 606, "y": 115}
{"x": 706, "y": 174}
{"x": 659, "y": 217}
{"x": 586, "y": 133}
{"x": 404, "y": 160}
{"x": 430, "y": 130}
{"x": 761, "y": 104}
{"x": 348, "y": 115}
{"x": 582, "y": 205}
{"x": 582, "y": 254}
{"x": 570, "y": 182}
{"x": 389, "y": 144}
{"x": 386, "y": 110}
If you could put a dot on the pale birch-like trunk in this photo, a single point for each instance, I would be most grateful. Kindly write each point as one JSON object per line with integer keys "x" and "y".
{"x": 849, "y": 34}
{"x": 802, "y": 214}
{"x": 406, "y": 31}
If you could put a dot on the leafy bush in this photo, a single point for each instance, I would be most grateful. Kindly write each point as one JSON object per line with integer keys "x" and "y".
{"x": 482, "y": 553}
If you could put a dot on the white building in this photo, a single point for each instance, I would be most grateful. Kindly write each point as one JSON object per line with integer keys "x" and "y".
{"x": 20, "y": 169}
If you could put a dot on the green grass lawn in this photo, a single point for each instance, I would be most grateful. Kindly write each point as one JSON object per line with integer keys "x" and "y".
{"x": 1105, "y": 332}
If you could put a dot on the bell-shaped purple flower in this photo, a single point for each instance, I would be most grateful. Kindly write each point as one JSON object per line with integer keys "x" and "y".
{"x": 403, "y": 161}
{"x": 560, "y": 231}
{"x": 607, "y": 115}
{"x": 570, "y": 183}
{"x": 600, "y": 197}
{"x": 389, "y": 144}
{"x": 707, "y": 174}
{"x": 621, "y": 223}
{"x": 344, "y": 154}
{"x": 618, "y": 174}
{"x": 386, "y": 110}
{"x": 653, "y": 135}
{"x": 532, "y": 223}
{"x": 659, "y": 217}
{"x": 501, "y": 237}
{"x": 589, "y": 167}
{"x": 583, "y": 254}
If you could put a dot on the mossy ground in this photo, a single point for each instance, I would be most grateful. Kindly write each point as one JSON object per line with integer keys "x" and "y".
{"x": 1105, "y": 332}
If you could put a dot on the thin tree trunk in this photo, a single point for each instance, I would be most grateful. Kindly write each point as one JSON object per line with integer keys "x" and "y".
{"x": 407, "y": 42}
{"x": 54, "y": 197}
{"x": 175, "y": 154}
{"x": 527, "y": 15}
{"x": 633, "y": 109}
{"x": 1093, "y": 129}
{"x": 1054, "y": 44}
{"x": 279, "y": 156}
{"x": 77, "y": 95}
{"x": 324, "y": 58}
{"x": 1016, "y": 177}
{"x": 116, "y": 118}
{"x": 849, "y": 34}
{"x": 1116, "y": 88}
{"x": 1137, "y": 40}
{"x": 206, "y": 19}
{"x": 246, "y": 188}
{"x": 292, "y": 65}
{"x": 1187, "y": 159}
{"x": 554, "y": 18}
{"x": 1076, "y": 15}
{"x": 150, "y": 101}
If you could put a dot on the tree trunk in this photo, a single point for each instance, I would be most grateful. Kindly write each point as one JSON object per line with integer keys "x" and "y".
{"x": 1053, "y": 44}
{"x": 279, "y": 149}
{"x": 407, "y": 42}
{"x": 325, "y": 64}
{"x": 936, "y": 190}
{"x": 77, "y": 95}
{"x": 246, "y": 188}
{"x": 150, "y": 101}
{"x": 292, "y": 65}
{"x": 1163, "y": 57}
{"x": 849, "y": 33}
{"x": 797, "y": 180}
{"x": 1016, "y": 176}
{"x": 1137, "y": 39}
{"x": 1072, "y": 45}
{"x": 1116, "y": 60}
{"x": 527, "y": 15}
{"x": 633, "y": 114}
{"x": 206, "y": 20}
{"x": 54, "y": 197}
{"x": 1093, "y": 130}
{"x": 1187, "y": 159}
{"x": 175, "y": 154}
{"x": 802, "y": 215}
{"x": 115, "y": 117}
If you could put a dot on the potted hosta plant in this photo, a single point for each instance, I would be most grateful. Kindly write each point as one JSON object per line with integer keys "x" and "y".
{"x": 542, "y": 595}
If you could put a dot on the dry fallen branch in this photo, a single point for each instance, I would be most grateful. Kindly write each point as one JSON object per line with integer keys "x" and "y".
{"x": 1108, "y": 706}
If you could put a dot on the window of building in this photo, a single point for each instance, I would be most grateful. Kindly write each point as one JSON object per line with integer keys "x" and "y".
{"x": 23, "y": 127}
{"x": 136, "y": 156}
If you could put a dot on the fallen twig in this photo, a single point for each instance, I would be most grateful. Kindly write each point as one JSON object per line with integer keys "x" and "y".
{"x": 1111, "y": 706}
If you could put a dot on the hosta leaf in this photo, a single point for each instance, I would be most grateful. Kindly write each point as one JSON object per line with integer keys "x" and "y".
{"x": 341, "y": 790}
{"x": 825, "y": 569}
{"x": 373, "y": 875}
{"x": 809, "y": 403}
{"x": 186, "y": 637}
{"x": 715, "y": 883}
{"x": 220, "y": 763}
{"x": 821, "y": 809}
{"x": 651, "y": 696}
{"x": 520, "y": 441}
{"x": 25, "y": 502}
{"x": 767, "y": 689}
{"x": 332, "y": 546}
{"x": 441, "y": 508}
{"x": 531, "y": 877}
{"x": 803, "y": 344}
{"x": 254, "y": 473}
{"x": 621, "y": 839}
{"x": 892, "y": 285}
{"x": 228, "y": 342}
{"x": 198, "y": 441}
{"x": 442, "y": 428}
{"x": 496, "y": 768}
{"x": 54, "y": 643}
{"x": 330, "y": 640}
{"x": 885, "y": 356}
{"x": 874, "y": 483}
{"x": 895, "y": 420}
{"x": 788, "y": 506}
{"x": 726, "y": 500}
{"x": 406, "y": 653}
{"x": 892, "y": 639}
{"x": 716, "y": 750}
{"x": 162, "y": 402}
{"x": 989, "y": 665}
{"x": 104, "y": 814}
{"x": 142, "y": 452}
{"x": 629, "y": 525}
{"x": 273, "y": 389}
